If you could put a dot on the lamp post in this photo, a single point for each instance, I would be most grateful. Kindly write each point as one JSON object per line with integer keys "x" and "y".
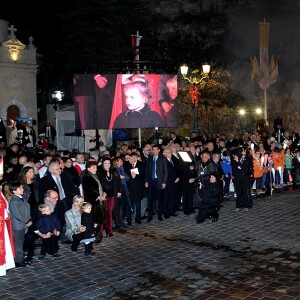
{"x": 242, "y": 112}
{"x": 195, "y": 90}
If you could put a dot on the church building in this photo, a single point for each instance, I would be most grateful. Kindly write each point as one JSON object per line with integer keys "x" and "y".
{"x": 18, "y": 70}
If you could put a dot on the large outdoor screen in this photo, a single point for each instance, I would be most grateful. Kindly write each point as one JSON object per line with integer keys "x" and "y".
{"x": 125, "y": 101}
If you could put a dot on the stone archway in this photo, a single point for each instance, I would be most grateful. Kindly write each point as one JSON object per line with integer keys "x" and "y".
{"x": 13, "y": 108}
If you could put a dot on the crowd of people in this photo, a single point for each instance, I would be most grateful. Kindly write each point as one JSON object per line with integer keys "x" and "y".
{"x": 80, "y": 198}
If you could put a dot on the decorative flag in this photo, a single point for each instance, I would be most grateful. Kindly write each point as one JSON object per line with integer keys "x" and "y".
{"x": 266, "y": 74}
{"x": 264, "y": 29}
{"x": 255, "y": 68}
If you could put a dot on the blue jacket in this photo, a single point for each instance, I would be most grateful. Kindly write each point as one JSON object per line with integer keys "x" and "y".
{"x": 226, "y": 166}
{"x": 47, "y": 223}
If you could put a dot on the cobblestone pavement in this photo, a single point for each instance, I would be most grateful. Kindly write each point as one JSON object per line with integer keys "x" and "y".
{"x": 245, "y": 255}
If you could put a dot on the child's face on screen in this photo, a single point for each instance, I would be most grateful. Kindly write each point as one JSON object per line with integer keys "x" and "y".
{"x": 134, "y": 99}
{"x": 87, "y": 209}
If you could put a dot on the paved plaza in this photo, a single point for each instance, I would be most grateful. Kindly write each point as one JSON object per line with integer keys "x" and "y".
{"x": 245, "y": 255}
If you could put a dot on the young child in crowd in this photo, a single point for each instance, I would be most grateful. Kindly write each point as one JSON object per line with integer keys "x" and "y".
{"x": 20, "y": 219}
{"x": 278, "y": 159}
{"x": 227, "y": 170}
{"x": 48, "y": 228}
{"x": 89, "y": 235}
{"x": 287, "y": 173}
{"x": 258, "y": 172}
{"x": 209, "y": 190}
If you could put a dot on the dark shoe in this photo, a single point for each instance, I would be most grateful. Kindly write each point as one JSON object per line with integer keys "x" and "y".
{"x": 98, "y": 239}
{"x": 187, "y": 213}
{"x": 166, "y": 216}
{"x": 109, "y": 234}
{"x": 57, "y": 255}
{"x": 174, "y": 215}
{"x": 129, "y": 223}
{"x": 144, "y": 218}
{"x": 214, "y": 220}
{"x": 198, "y": 220}
{"x": 41, "y": 257}
{"x": 160, "y": 218}
{"x": 68, "y": 242}
{"x": 74, "y": 249}
{"x": 87, "y": 250}
{"x": 91, "y": 248}
{"x": 22, "y": 264}
{"x": 28, "y": 261}
{"x": 121, "y": 230}
{"x": 138, "y": 221}
{"x": 149, "y": 219}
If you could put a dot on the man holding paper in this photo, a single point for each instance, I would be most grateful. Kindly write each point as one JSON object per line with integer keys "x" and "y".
{"x": 136, "y": 170}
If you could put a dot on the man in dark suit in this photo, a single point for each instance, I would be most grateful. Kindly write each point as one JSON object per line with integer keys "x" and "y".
{"x": 174, "y": 138}
{"x": 50, "y": 132}
{"x": 29, "y": 135}
{"x": 51, "y": 198}
{"x": 216, "y": 158}
{"x": 232, "y": 141}
{"x": 136, "y": 171}
{"x": 169, "y": 207}
{"x": 156, "y": 181}
{"x": 177, "y": 162}
{"x": 59, "y": 181}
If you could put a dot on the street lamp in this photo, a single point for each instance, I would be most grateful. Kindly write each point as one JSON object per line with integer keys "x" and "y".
{"x": 242, "y": 112}
{"x": 258, "y": 111}
{"x": 195, "y": 90}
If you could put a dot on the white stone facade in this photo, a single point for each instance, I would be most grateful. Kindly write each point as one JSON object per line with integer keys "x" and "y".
{"x": 17, "y": 78}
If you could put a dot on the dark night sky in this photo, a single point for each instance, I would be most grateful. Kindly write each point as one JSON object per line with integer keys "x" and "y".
{"x": 240, "y": 43}
{"x": 36, "y": 24}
